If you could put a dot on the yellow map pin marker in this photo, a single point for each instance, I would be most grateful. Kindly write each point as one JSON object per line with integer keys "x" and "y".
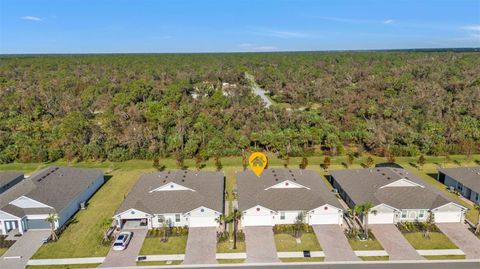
{"x": 258, "y": 162}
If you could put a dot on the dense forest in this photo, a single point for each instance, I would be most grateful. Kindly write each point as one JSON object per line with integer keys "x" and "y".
{"x": 120, "y": 107}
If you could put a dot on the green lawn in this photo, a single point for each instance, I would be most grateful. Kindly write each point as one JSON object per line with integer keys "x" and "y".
{"x": 445, "y": 257}
{"x": 436, "y": 241}
{"x": 313, "y": 259}
{"x": 83, "y": 237}
{"x": 370, "y": 244}
{"x": 153, "y": 245}
{"x": 374, "y": 258}
{"x": 286, "y": 242}
{"x": 231, "y": 261}
{"x": 3, "y": 250}
{"x": 65, "y": 266}
{"x": 227, "y": 247}
{"x": 153, "y": 263}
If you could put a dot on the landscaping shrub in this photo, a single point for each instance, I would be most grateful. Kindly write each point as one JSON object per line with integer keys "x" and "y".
{"x": 5, "y": 243}
{"x": 290, "y": 228}
{"x": 240, "y": 236}
{"x": 416, "y": 226}
{"x": 222, "y": 236}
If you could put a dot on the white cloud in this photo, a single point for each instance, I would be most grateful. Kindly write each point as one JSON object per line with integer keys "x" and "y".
{"x": 388, "y": 21}
{"x": 286, "y": 34}
{"x": 31, "y": 18}
{"x": 475, "y": 28}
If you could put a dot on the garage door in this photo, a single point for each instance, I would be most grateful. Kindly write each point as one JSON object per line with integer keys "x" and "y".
{"x": 380, "y": 218}
{"x": 203, "y": 222}
{"x": 33, "y": 224}
{"x": 325, "y": 219}
{"x": 265, "y": 220}
{"x": 443, "y": 217}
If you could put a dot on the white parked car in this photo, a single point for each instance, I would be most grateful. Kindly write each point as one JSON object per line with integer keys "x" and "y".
{"x": 122, "y": 240}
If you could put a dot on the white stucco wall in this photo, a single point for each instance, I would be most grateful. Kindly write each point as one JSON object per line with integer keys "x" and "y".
{"x": 257, "y": 216}
{"x": 325, "y": 214}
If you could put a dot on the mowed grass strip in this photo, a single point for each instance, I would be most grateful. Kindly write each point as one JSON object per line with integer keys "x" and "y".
{"x": 435, "y": 241}
{"x": 153, "y": 245}
{"x": 287, "y": 242}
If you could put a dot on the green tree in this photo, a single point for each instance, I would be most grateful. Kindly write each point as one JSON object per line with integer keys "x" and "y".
{"x": 421, "y": 161}
{"x": 52, "y": 219}
{"x": 370, "y": 162}
{"x": 326, "y": 163}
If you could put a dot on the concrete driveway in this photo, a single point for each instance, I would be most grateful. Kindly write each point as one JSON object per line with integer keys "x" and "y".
{"x": 334, "y": 243}
{"x": 392, "y": 240}
{"x": 24, "y": 248}
{"x": 463, "y": 238}
{"x": 201, "y": 246}
{"x": 260, "y": 244}
{"x": 127, "y": 257}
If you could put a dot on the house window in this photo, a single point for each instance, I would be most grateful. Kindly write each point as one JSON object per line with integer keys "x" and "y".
{"x": 161, "y": 218}
{"x": 404, "y": 214}
{"x": 421, "y": 215}
{"x": 177, "y": 217}
{"x": 282, "y": 215}
{"x": 460, "y": 187}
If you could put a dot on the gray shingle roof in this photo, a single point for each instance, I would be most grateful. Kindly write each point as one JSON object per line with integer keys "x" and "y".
{"x": 468, "y": 176}
{"x": 7, "y": 177}
{"x": 364, "y": 185}
{"x": 251, "y": 190}
{"x": 53, "y": 186}
{"x": 208, "y": 192}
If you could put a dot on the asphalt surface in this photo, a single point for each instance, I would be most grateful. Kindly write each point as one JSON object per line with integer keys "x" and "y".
{"x": 127, "y": 257}
{"x": 470, "y": 264}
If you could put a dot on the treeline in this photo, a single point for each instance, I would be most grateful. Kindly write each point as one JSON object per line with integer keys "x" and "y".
{"x": 119, "y": 107}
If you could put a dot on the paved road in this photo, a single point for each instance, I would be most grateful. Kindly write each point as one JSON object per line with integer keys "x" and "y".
{"x": 392, "y": 240}
{"x": 260, "y": 244}
{"x": 201, "y": 245}
{"x": 463, "y": 238}
{"x": 127, "y": 257}
{"x": 352, "y": 265}
{"x": 25, "y": 247}
{"x": 334, "y": 243}
{"x": 261, "y": 92}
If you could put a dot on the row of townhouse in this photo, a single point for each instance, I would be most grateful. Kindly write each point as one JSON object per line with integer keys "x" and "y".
{"x": 279, "y": 195}
{"x": 197, "y": 198}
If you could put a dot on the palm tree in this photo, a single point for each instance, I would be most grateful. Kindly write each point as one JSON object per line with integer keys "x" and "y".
{"x": 52, "y": 219}
{"x": 222, "y": 221}
{"x": 354, "y": 212}
{"x": 235, "y": 217}
{"x": 365, "y": 209}
{"x": 477, "y": 229}
{"x": 299, "y": 222}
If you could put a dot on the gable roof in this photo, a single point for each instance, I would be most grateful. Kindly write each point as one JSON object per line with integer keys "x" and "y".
{"x": 253, "y": 190}
{"x": 7, "y": 177}
{"x": 208, "y": 191}
{"x": 372, "y": 185}
{"x": 468, "y": 176}
{"x": 52, "y": 186}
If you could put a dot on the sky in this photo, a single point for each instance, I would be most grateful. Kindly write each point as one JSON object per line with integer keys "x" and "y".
{"x": 148, "y": 26}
